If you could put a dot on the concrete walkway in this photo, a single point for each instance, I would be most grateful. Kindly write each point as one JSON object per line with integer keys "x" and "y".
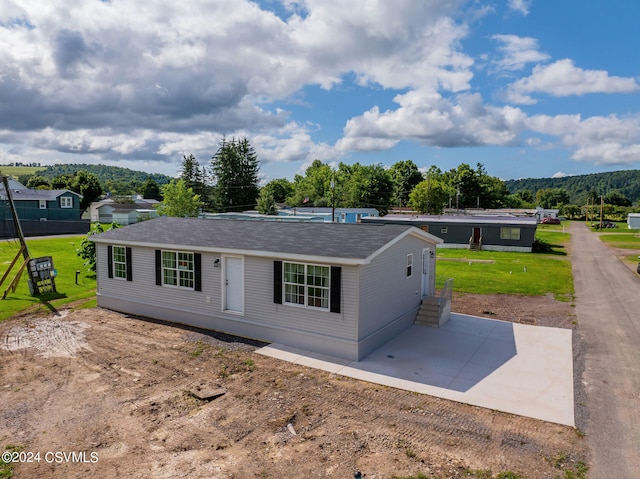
{"x": 515, "y": 368}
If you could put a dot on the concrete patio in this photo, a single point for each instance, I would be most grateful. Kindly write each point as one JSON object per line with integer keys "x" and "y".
{"x": 510, "y": 367}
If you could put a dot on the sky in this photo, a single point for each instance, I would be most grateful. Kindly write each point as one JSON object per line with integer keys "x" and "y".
{"x": 528, "y": 88}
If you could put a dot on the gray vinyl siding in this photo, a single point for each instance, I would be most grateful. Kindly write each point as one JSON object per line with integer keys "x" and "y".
{"x": 259, "y": 303}
{"x": 386, "y": 294}
{"x": 259, "y": 307}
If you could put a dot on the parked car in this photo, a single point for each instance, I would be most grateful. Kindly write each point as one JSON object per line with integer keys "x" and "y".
{"x": 550, "y": 221}
{"x": 605, "y": 224}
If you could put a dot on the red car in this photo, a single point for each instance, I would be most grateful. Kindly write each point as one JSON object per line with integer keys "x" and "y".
{"x": 550, "y": 221}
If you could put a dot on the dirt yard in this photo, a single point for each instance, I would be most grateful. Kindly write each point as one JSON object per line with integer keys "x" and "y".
{"x": 136, "y": 398}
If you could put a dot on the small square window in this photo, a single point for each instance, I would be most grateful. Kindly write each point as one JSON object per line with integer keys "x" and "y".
{"x": 66, "y": 202}
{"x": 443, "y": 229}
{"x": 42, "y": 204}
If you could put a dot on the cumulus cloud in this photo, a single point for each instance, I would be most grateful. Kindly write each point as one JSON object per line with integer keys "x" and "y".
{"x": 563, "y": 78}
{"x": 598, "y": 140}
{"x": 122, "y": 78}
{"x": 516, "y": 52}
{"x": 430, "y": 119}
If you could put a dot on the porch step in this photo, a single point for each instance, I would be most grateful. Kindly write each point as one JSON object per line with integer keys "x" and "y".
{"x": 474, "y": 246}
{"x": 429, "y": 313}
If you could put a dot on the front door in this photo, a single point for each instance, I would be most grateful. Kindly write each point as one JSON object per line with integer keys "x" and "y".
{"x": 233, "y": 284}
{"x": 426, "y": 269}
{"x": 477, "y": 234}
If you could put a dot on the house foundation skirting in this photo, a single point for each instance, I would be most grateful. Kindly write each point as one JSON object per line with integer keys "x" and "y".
{"x": 237, "y": 325}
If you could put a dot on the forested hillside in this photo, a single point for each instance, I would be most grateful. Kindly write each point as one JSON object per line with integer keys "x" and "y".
{"x": 105, "y": 174}
{"x": 625, "y": 183}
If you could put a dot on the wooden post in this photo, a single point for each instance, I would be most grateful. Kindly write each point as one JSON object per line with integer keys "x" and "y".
{"x": 16, "y": 221}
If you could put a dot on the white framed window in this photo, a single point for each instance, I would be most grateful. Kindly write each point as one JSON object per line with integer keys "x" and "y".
{"x": 178, "y": 269}
{"x": 42, "y": 204}
{"x": 120, "y": 262}
{"x": 510, "y": 233}
{"x": 409, "y": 265}
{"x": 306, "y": 285}
{"x": 443, "y": 229}
{"x": 66, "y": 202}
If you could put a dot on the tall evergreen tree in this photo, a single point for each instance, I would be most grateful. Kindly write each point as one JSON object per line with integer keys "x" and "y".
{"x": 235, "y": 169}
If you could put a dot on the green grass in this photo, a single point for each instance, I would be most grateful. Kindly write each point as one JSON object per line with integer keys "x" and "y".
{"x": 630, "y": 240}
{"x": 16, "y": 171}
{"x": 491, "y": 272}
{"x": 65, "y": 261}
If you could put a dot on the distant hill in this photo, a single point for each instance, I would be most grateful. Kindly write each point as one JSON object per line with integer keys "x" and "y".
{"x": 625, "y": 182}
{"x": 105, "y": 174}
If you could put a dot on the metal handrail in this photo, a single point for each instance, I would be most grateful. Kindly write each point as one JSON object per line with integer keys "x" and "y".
{"x": 446, "y": 293}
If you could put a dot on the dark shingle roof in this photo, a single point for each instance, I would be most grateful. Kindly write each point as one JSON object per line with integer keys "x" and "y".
{"x": 358, "y": 241}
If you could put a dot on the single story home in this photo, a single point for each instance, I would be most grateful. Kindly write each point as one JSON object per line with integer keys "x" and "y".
{"x": 110, "y": 211}
{"x": 633, "y": 221}
{"x": 336, "y": 289}
{"x": 494, "y": 233}
{"x": 339, "y": 215}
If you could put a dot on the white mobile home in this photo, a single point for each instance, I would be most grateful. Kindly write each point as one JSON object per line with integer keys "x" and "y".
{"x": 337, "y": 289}
{"x": 633, "y": 221}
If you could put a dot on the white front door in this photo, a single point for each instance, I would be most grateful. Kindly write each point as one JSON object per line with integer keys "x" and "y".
{"x": 426, "y": 269}
{"x": 233, "y": 284}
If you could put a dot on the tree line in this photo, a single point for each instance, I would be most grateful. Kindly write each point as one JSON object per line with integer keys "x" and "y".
{"x": 229, "y": 181}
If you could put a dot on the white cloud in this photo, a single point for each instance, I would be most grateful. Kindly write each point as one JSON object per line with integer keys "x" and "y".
{"x": 598, "y": 140}
{"x": 520, "y": 6}
{"x": 563, "y": 78}
{"x": 430, "y": 119}
{"x": 517, "y": 52}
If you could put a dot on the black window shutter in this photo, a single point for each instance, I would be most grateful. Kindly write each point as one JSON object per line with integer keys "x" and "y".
{"x": 277, "y": 282}
{"x": 197, "y": 271}
{"x": 129, "y": 265}
{"x": 159, "y": 267}
{"x": 110, "y": 261}
{"x": 335, "y": 294}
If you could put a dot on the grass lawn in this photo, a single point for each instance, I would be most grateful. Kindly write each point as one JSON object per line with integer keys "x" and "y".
{"x": 491, "y": 272}
{"x": 628, "y": 240}
{"x": 16, "y": 171}
{"x": 65, "y": 261}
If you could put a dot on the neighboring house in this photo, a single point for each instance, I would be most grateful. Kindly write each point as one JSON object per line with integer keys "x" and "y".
{"x": 496, "y": 233}
{"x": 633, "y": 221}
{"x": 254, "y": 216}
{"x": 41, "y": 212}
{"x": 340, "y": 215}
{"x": 107, "y": 211}
{"x": 336, "y": 289}
{"x": 542, "y": 213}
{"x": 40, "y": 205}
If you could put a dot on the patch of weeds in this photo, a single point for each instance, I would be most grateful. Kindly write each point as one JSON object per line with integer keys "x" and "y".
{"x": 200, "y": 347}
{"x": 480, "y": 473}
{"x": 508, "y": 475}
{"x": 250, "y": 363}
{"x": 6, "y": 468}
{"x": 410, "y": 453}
{"x": 558, "y": 460}
{"x": 579, "y": 432}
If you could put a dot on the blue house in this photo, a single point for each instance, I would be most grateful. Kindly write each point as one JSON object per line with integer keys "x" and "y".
{"x": 41, "y": 211}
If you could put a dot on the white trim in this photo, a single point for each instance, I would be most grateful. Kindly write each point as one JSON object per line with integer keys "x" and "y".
{"x": 42, "y": 204}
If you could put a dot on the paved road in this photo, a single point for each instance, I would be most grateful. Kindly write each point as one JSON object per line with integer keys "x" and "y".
{"x": 608, "y": 314}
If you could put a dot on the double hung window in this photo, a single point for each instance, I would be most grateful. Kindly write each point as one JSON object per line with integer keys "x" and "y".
{"x": 306, "y": 285}
{"x": 178, "y": 269}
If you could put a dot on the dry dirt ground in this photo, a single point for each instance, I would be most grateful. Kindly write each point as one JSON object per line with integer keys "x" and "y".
{"x": 137, "y": 398}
